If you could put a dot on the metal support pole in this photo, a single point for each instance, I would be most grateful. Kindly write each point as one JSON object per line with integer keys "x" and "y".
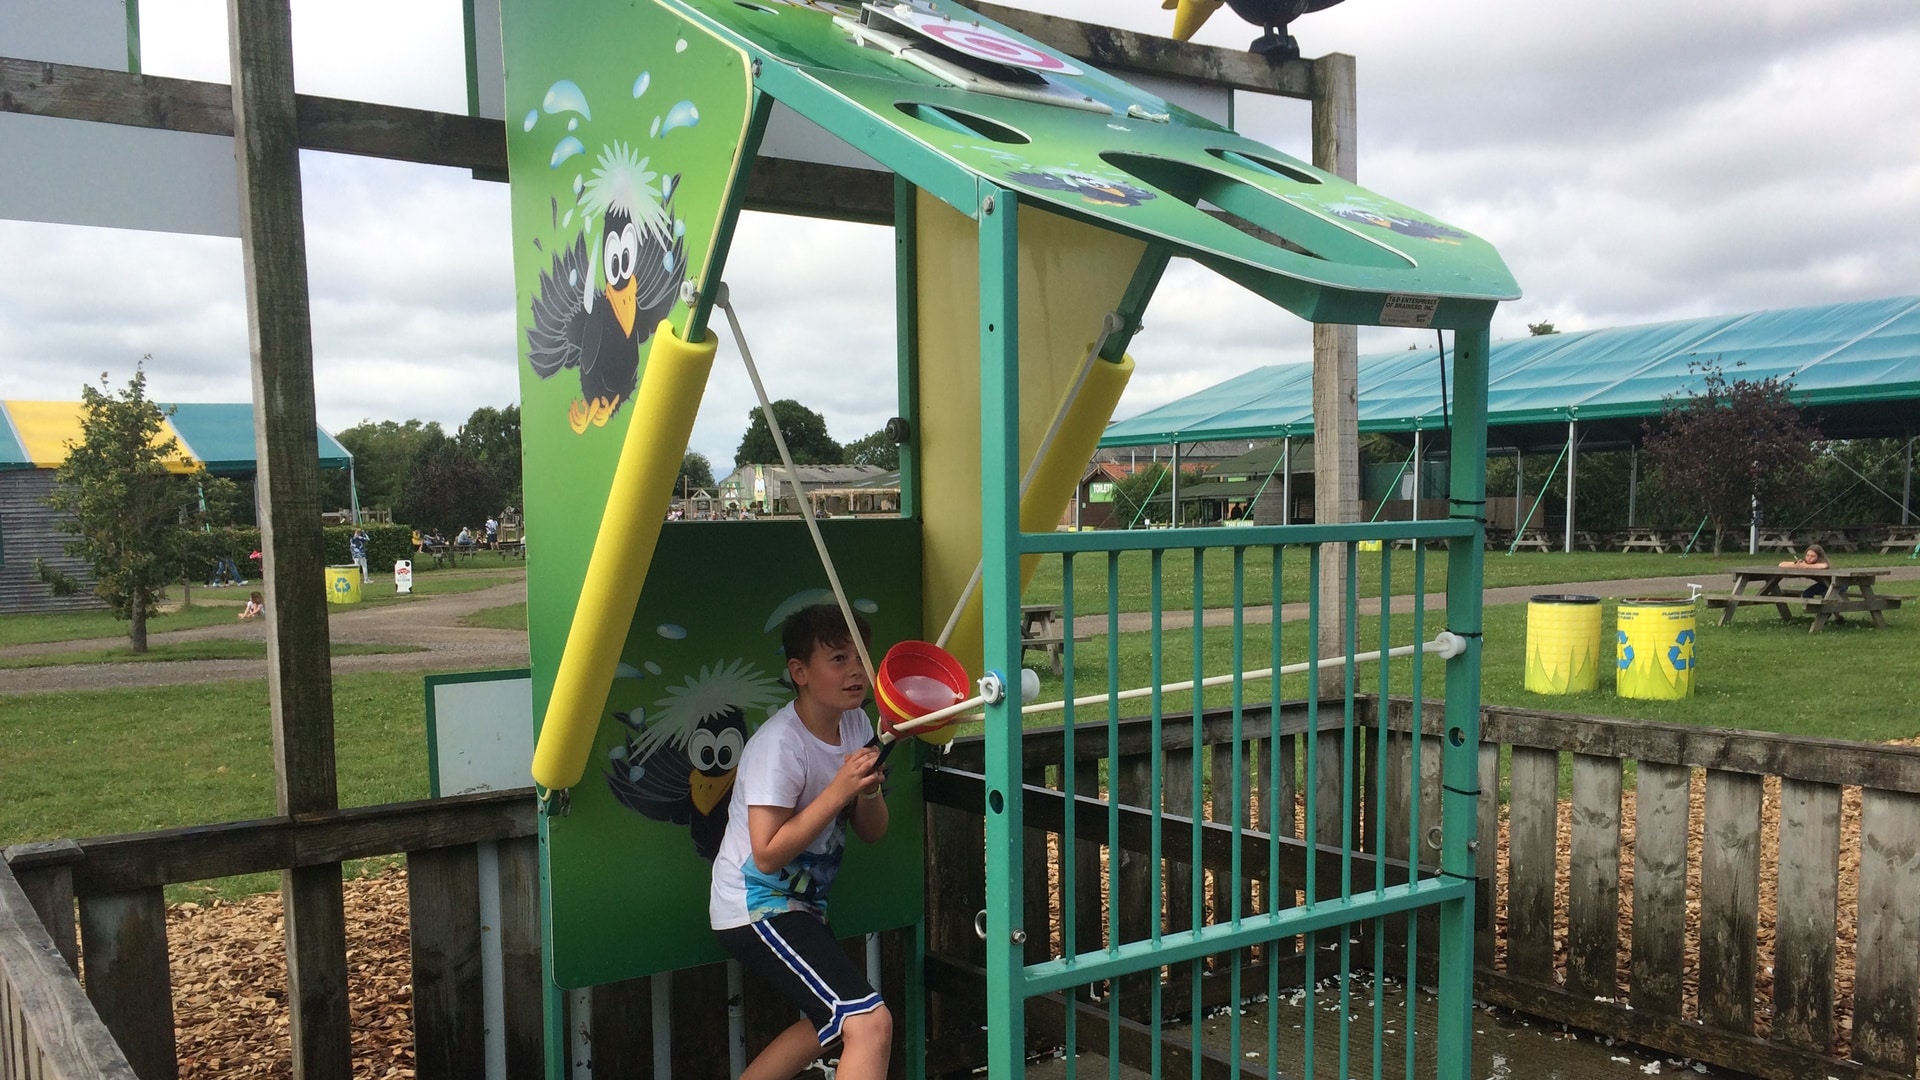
{"x": 1633, "y": 484}
{"x": 1173, "y": 495}
{"x": 1573, "y": 456}
{"x": 1416, "y": 474}
{"x": 1286, "y": 478}
{"x": 1906, "y": 489}
{"x": 1519, "y": 485}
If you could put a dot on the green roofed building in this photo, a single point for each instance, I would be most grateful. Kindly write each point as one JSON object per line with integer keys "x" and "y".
{"x": 34, "y": 436}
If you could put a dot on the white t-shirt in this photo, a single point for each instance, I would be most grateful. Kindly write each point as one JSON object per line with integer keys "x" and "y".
{"x": 783, "y": 764}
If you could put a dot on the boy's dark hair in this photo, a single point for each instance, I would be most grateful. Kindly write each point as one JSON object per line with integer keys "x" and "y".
{"x": 820, "y": 624}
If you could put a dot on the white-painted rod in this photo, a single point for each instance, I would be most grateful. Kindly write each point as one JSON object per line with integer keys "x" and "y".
{"x": 1445, "y": 645}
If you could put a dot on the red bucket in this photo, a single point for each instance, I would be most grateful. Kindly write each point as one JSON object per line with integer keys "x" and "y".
{"x": 914, "y": 679}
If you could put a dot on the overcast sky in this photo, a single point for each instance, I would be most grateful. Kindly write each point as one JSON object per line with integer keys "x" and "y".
{"x": 1633, "y": 161}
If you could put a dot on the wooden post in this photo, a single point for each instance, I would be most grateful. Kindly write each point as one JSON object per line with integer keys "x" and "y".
{"x": 1336, "y": 362}
{"x": 299, "y": 676}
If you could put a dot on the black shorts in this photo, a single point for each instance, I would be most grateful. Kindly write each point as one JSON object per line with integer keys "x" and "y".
{"x": 797, "y": 954}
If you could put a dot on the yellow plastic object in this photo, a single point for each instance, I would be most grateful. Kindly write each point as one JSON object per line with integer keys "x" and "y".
{"x": 1071, "y": 276}
{"x": 1563, "y": 644}
{"x": 663, "y": 412}
{"x": 343, "y": 584}
{"x": 1656, "y": 643}
{"x": 1190, "y": 15}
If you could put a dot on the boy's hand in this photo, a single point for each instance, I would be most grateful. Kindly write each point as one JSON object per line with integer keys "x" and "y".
{"x": 858, "y": 774}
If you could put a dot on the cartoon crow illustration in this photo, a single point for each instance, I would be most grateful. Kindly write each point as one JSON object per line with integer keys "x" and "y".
{"x": 679, "y": 768}
{"x": 594, "y": 311}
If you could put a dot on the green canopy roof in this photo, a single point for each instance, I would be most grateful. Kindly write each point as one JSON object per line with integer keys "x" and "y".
{"x": 34, "y": 434}
{"x": 1855, "y": 365}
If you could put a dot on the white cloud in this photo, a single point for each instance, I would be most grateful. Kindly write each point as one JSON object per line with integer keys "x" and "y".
{"x": 1632, "y": 162}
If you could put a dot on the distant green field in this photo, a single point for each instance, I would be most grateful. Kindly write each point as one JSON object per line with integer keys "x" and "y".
{"x": 211, "y": 649}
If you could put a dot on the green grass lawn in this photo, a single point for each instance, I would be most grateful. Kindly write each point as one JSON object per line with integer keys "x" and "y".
{"x": 505, "y": 617}
{"x": 1090, "y": 574}
{"x": 212, "y": 607}
{"x": 213, "y": 649}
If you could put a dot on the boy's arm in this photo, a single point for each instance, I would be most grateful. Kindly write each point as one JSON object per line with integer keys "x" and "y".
{"x": 780, "y": 833}
{"x": 870, "y": 815}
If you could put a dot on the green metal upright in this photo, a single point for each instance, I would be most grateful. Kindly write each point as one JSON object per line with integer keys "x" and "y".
{"x": 1460, "y": 754}
{"x": 998, "y": 214}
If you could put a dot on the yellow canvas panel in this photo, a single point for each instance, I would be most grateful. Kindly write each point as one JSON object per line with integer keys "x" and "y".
{"x": 46, "y": 427}
{"x": 1071, "y": 276}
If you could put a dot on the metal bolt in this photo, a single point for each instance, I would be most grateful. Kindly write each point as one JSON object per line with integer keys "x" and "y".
{"x": 1473, "y": 845}
{"x": 1019, "y": 937}
{"x": 986, "y": 205}
{"x": 1433, "y": 838}
{"x": 756, "y": 69}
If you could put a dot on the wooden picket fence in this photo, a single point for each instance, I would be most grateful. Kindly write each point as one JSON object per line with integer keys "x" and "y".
{"x": 1690, "y": 928}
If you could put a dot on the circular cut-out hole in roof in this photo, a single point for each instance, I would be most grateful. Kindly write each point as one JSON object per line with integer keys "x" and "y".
{"x": 961, "y": 122}
{"x": 1263, "y": 164}
{"x": 1255, "y": 211}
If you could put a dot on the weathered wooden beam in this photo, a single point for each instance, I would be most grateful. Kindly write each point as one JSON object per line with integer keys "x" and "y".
{"x": 1116, "y": 50}
{"x": 47, "y": 880}
{"x": 200, "y": 852}
{"x": 443, "y": 919}
{"x": 125, "y": 936}
{"x": 46, "y": 1020}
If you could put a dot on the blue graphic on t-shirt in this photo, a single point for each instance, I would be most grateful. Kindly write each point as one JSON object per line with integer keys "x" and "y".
{"x": 801, "y": 884}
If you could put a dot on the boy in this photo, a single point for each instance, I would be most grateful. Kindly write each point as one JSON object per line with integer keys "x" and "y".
{"x": 804, "y": 776}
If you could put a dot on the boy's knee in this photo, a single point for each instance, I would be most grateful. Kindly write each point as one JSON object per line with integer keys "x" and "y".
{"x": 874, "y": 1027}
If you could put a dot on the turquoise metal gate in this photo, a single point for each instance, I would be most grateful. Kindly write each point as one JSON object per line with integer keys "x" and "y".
{"x": 1326, "y": 899}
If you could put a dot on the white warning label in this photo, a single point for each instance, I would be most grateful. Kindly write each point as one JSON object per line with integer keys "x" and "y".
{"x": 1404, "y": 310}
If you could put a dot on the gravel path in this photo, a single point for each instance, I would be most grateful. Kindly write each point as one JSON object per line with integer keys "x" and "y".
{"x": 431, "y": 623}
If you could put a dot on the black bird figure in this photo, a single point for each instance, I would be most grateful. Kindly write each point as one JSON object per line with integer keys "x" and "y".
{"x": 1273, "y": 15}
{"x": 593, "y": 312}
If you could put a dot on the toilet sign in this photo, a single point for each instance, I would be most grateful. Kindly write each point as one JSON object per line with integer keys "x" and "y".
{"x": 403, "y": 576}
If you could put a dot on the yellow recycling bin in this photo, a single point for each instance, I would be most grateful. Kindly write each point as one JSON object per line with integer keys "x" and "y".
{"x": 1563, "y": 643}
{"x": 1656, "y": 649}
{"x": 343, "y": 584}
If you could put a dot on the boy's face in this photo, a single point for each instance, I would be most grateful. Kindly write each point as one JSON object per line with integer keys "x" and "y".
{"x": 831, "y": 676}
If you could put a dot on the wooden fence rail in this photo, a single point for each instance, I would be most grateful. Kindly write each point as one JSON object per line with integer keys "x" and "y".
{"x": 1639, "y": 861}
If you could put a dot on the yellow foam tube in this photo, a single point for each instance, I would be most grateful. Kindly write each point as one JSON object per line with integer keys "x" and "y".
{"x": 1058, "y": 476}
{"x": 1190, "y": 15}
{"x": 663, "y": 412}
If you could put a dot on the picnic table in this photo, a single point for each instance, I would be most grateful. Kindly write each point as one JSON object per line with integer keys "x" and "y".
{"x": 1900, "y": 538}
{"x": 1848, "y": 590}
{"x": 449, "y": 553}
{"x": 1644, "y": 539}
{"x": 1041, "y": 627}
{"x": 1534, "y": 539}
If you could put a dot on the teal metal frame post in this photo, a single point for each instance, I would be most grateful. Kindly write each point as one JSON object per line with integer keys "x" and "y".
{"x": 1460, "y": 754}
{"x": 997, "y": 212}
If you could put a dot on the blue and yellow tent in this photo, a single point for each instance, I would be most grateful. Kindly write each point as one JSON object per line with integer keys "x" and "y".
{"x": 35, "y": 435}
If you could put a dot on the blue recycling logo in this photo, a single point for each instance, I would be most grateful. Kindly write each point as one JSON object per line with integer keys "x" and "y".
{"x": 1682, "y": 641}
{"x": 1626, "y": 651}
{"x": 341, "y": 585}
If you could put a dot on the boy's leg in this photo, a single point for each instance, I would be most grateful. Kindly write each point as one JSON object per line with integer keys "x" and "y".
{"x": 797, "y": 955}
{"x": 788, "y": 1053}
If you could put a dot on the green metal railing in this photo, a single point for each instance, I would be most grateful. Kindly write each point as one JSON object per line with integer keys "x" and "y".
{"x": 1321, "y": 943}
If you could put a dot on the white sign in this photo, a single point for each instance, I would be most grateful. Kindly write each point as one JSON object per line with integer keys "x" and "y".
{"x": 403, "y": 576}
{"x": 1401, "y": 309}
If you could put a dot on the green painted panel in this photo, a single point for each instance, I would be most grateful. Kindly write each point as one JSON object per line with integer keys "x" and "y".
{"x": 628, "y": 893}
{"x": 1107, "y": 152}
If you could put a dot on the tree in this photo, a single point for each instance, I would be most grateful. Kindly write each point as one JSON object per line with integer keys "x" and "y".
{"x": 805, "y": 432}
{"x": 447, "y": 487}
{"x": 134, "y": 519}
{"x": 696, "y": 473}
{"x": 1541, "y": 329}
{"x": 875, "y": 449}
{"x": 492, "y": 436}
{"x": 1732, "y": 449}
{"x": 382, "y": 455}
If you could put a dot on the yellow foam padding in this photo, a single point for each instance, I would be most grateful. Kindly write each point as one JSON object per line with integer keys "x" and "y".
{"x": 46, "y": 427}
{"x": 663, "y": 412}
{"x": 1190, "y": 15}
{"x": 1071, "y": 275}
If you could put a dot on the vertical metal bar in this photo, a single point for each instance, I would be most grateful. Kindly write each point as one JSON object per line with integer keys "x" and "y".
{"x": 1413, "y": 799}
{"x": 1271, "y": 804}
{"x": 1417, "y": 463}
{"x": 1633, "y": 485}
{"x": 1573, "y": 458}
{"x": 906, "y": 300}
{"x": 915, "y": 1027}
{"x": 1156, "y": 790}
{"x": 998, "y": 217}
{"x": 1200, "y": 756}
{"x": 1460, "y": 743}
{"x": 1519, "y": 484}
{"x": 1238, "y": 765}
{"x": 1173, "y": 493}
{"x": 1349, "y": 830}
{"x": 662, "y": 1000}
{"x": 1310, "y": 823}
{"x": 1286, "y": 493}
{"x": 1378, "y": 803}
{"x": 1113, "y": 804}
{"x": 1069, "y": 785}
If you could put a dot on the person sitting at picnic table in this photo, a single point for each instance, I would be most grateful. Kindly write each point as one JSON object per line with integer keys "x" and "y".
{"x": 1814, "y": 559}
{"x": 418, "y": 540}
{"x": 464, "y": 538}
